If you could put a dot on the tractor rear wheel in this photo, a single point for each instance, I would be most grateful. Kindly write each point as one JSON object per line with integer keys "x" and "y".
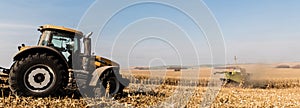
{"x": 39, "y": 75}
{"x": 112, "y": 84}
{"x": 108, "y": 84}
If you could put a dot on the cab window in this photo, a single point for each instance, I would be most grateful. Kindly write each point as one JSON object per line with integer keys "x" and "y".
{"x": 63, "y": 44}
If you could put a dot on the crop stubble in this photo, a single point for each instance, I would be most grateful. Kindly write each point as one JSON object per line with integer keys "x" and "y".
{"x": 273, "y": 88}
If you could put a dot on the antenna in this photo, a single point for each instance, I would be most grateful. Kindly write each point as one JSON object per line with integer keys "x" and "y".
{"x": 235, "y": 60}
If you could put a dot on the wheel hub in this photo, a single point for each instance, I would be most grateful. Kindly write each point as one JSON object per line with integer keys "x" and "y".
{"x": 39, "y": 78}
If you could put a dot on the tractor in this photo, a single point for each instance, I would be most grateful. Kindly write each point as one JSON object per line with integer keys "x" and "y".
{"x": 56, "y": 66}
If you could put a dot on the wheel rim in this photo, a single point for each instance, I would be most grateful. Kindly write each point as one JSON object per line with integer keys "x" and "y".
{"x": 39, "y": 78}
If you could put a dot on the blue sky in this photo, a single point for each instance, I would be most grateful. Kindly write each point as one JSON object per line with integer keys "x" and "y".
{"x": 259, "y": 30}
{"x": 254, "y": 30}
{"x": 20, "y": 19}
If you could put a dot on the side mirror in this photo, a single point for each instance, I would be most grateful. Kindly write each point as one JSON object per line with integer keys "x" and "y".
{"x": 88, "y": 35}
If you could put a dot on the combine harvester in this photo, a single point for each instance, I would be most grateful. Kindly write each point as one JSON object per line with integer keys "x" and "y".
{"x": 56, "y": 66}
{"x": 234, "y": 75}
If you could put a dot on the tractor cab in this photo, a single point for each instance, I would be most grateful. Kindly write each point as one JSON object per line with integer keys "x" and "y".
{"x": 64, "y": 40}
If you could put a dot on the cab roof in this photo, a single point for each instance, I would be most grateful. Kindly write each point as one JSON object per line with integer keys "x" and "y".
{"x": 53, "y": 27}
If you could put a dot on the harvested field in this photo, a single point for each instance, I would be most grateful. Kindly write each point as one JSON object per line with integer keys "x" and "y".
{"x": 268, "y": 87}
{"x": 227, "y": 97}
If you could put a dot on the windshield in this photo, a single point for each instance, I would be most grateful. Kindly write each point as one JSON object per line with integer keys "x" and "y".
{"x": 45, "y": 38}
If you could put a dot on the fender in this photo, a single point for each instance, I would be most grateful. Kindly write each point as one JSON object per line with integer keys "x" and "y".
{"x": 100, "y": 72}
{"x": 36, "y": 49}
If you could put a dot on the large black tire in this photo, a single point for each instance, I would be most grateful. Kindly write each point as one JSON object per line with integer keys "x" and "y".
{"x": 38, "y": 75}
{"x": 115, "y": 86}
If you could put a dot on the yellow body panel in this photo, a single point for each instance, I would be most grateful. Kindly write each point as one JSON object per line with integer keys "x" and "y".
{"x": 107, "y": 62}
{"x": 48, "y": 26}
{"x": 97, "y": 64}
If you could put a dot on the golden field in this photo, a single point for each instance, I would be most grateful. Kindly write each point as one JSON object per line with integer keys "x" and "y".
{"x": 268, "y": 87}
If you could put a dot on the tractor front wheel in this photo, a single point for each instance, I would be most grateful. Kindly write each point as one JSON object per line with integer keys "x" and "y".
{"x": 37, "y": 75}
